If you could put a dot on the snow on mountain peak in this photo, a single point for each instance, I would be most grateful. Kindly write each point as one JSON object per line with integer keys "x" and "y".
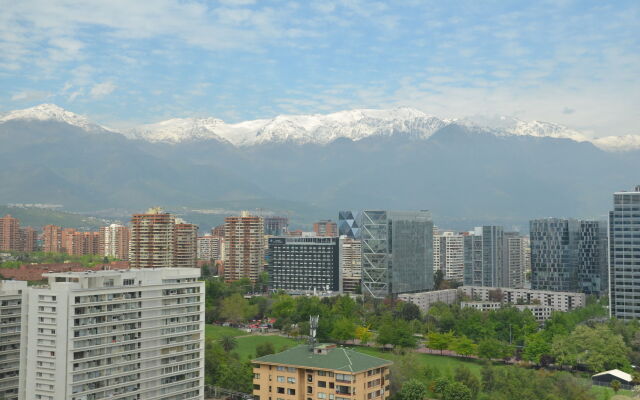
{"x": 52, "y": 112}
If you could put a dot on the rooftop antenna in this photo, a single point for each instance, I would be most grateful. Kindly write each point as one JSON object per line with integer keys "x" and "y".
{"x": 313, "y": 329}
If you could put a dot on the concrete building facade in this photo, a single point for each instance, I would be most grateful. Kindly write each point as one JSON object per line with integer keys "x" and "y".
{"x": 244, "y": 247}
{"x": 325, "y": 228}
{"x": 12, "y": 310}
{"x": 10, "y": 239}
{"x": 451, "y": 253}
{"x": 210, "y": 247}
{"x": 351, "y": 264}
{"x": 304, "y": 264}
{"x": 186, "y": 245}
{"x": 483, "y": 252}
{"x": 624, "y": 255}
{"x": 424, "y": 300}
{"x": 114, "y": 241}
{"x": 135, "y": 334}
{"x": 559, "y": 301}
{"x": 152, "y": 240}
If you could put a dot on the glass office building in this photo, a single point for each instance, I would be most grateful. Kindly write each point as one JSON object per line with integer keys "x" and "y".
{"x": 397, "y": 252}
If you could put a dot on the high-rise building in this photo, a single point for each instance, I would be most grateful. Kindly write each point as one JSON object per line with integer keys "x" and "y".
{"x": 28, "y": 239}
{"x": 276, "y": 226}
{"x": 52, "y": 239}
{"x": 114, "y": 241}
{"x": 325, "y": 228}
{"x": 10, "y": 239}
{"x": 12, "y": 309}
{"x": 515, "y": 259}
{"x": 624, "y": 255}
{"x": 451, "y": 252}
{"x": 152, "y": 239}
{"x": 186, "y": 245}
{"x": 568, "y": 255}
{"x": 210, "y": 247}
{"x": 397, "y": 252}
{"x": 304, "y": 264}
{"x": 349, "y": 224}
{"x": 436, "y": 249}
{"x": 243, "y": 247}
{"x": 351, "y": 264}
{"x": 483, "y": 256}
{"x": 218, "y": 231}
{"x": 115, "y": 334}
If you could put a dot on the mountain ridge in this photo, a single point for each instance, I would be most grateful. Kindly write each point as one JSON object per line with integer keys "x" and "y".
{"x": 320, "y": 128}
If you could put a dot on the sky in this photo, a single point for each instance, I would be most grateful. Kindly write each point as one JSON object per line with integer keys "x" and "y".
{"x": 125, "y": 62}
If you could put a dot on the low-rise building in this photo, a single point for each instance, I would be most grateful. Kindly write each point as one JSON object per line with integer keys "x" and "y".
{"x": 559, "y": 301}
{"x": 424, "y": 300}
{"x": 325, "y": 372}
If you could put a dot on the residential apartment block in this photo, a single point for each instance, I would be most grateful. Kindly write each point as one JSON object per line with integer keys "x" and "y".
{"x": 451, "y": 255}
{"x": 132, "y": 334}
{"x": 483, "y": 252}
{"x": 12, "y": 309}
{"x": 276, "y": 226}
{"x": 244, "y": 247}
{"x": 186, "y": 245}
{"x": 624, "y": 255}
{"x": 424, "y": 300}
{"x": 210, "y": 247}
{"x": 325, "y": 228}
{"x": 15, "y": 238}
{"x": 114, "y": 241}
{"x": 152, "y": 239}
{"x": 559, "y": 301}
{"x": 325, "y": 372}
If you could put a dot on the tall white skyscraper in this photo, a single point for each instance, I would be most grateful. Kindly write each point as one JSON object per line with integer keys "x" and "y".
{"x": 624, "y": 255}
{"x": 451, "y": 254}
{"x": 132, "y": 334}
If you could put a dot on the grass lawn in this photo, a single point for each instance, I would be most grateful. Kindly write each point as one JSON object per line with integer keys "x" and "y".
{"x": 246, "y": 347}
{"x": 443, "y": 363}
{"x": 215, "y": 332}
{"x": 605, "y": 393}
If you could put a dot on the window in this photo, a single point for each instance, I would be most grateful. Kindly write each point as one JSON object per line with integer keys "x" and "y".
{"x": 322, "y": 396}
{"x": 280, "y": 368}
{"x": 280, "y": 390}
{"x": 280, "y": 379}
{"x": 291, "y": 391}
{"x": 291, "y": 380}
{"x": 256, "y": 387}
{"x": 322, "y": 384}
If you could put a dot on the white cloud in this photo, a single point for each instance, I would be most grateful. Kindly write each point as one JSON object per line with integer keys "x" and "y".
{"x": 100, "y": 90}
{"x": 30, "y": 95}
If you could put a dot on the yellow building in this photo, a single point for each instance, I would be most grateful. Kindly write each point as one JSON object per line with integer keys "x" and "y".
{"x": 326, "y": 372}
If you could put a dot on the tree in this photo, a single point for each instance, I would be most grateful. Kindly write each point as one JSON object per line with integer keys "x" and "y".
{"x": 264, "y": 349}
{"x": 413, "y": 389}
{"x": 597, "y": 348}
{"x": 440, "y": 341}
{"x": 363, "y": 334}
{"x": 343, "y": 329}
{"x": 409, "y": 311}
{"x": 493, "y": 349}
{"x": 228, "y": 343}
{"x": 464, "y": 346}
{"x": 456, "y": 391}
{"x": 536, "y": 346}
{"x": 464, "y": 375}
{"x": 615, "y": 385}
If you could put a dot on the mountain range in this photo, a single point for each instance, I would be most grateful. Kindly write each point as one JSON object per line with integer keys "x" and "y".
{"x": 468, "y": 171}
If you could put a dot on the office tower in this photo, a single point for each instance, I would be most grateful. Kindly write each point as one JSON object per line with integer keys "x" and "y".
{"x": 325, "y": 228}
{"x": 514, "y": 258}
{"x": 114, "y": 241}
{"x": 136, "y": 334}
{"x": 349, "y": 224}
{"x": 304, "y": 264}
{"x": 28, "y": 239}
{"x": 210, "y": 247}
{"x": 624, "y": 255}
{"x": 152, "y": 239}
{"x": 568, "y": 255}
{"x": 351, "y": 264}
{"x": 593, "y": 258}
{"x": 483, "y": 252}
{"x": 52, "y": 239}
{"x": 243, "y": 247}
{"x": 186, "y": 245}
{"x": 451, "y": 252}
{"x": 276, "y": 226}
{"x": 12, "y": 308}
{"x": 324, "y": 372}
{"x": 397, "y": 252}
{"x": 10, "y": 234}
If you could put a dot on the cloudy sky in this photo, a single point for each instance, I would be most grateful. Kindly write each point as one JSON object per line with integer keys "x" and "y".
{"x": 124, "y": 62}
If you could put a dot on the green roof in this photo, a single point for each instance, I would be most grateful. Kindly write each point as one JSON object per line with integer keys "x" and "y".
{"x": 338, "y": 358}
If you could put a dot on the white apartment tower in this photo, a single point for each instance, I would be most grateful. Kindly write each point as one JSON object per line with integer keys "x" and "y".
{"x": 350, "y": 264}
{"x": 11, "y": 327}
{"x": 119, "y": 335}
{"x": 451, "y": 255}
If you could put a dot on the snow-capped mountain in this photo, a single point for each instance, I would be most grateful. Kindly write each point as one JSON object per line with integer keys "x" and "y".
{"x": 51, "y": 112}
{"x": 316, "y": 128}
{"x": 321, "y": 128}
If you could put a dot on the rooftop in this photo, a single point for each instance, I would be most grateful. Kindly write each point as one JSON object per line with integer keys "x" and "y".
{"x": 337, "y": 358}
